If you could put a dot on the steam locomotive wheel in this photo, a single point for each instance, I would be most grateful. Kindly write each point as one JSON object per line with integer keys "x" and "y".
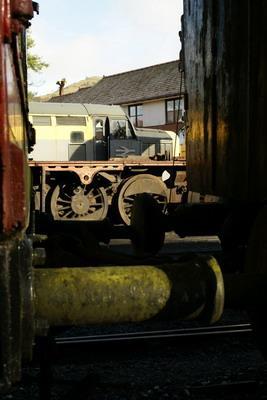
{"x": 70, "y": 202}
{"x": 143, "y": 183}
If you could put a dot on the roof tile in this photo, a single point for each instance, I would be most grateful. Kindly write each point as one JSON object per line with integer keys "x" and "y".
{"x": 157, "y": 81}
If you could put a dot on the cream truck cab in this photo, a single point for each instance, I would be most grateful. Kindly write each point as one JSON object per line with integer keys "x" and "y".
{"x": 94, "y": 132}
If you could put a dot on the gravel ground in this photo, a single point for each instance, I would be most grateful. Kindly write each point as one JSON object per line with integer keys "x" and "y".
{"x": 213, "y": 368}
{"x": 228, "y": 368}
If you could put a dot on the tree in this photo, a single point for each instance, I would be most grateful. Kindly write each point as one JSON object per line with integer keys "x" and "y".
{"x": 34, "y": 62}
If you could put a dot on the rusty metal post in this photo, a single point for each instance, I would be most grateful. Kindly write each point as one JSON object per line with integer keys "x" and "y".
{"x": 16, "y": 308}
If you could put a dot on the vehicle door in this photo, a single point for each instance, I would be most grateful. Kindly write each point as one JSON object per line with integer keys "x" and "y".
{"x": 70, "y": 133}
{"x": 101, "y": 138}
{"x": 122, "y": 139}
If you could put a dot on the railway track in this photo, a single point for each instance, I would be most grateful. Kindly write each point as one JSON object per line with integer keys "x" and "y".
{"x": 168, "y": 334}
{"x": 152, "y": 362}
{"x": 197, "y": 362}
{"x": 56, "y": 350}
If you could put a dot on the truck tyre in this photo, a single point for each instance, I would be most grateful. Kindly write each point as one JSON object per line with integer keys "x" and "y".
{"x": 142, "y": 183}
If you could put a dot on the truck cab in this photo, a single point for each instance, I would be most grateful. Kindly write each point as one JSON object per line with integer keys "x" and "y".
{"x": 93, "y": 132}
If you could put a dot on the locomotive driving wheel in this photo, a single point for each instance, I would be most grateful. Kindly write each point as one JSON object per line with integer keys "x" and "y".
{"x": 72, "y": 202}
{"x": 131, "y": 187}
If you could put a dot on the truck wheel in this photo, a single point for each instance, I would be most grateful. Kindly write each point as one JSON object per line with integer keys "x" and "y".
{"x": 131, "y": 187}
{"x": 72, "y": 202}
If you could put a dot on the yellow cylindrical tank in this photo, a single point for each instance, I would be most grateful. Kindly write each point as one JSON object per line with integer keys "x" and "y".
{"x": 67, "y": 296}
{"x": 82, "y": 296}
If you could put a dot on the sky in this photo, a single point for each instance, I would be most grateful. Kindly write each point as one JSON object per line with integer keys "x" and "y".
{"x": 102, "y": 37}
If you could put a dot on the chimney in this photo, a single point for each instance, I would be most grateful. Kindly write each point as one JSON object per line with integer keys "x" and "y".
{"x": 61, "y": 85}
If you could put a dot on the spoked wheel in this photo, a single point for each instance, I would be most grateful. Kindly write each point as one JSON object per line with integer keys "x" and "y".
{"x": 143, "y": 183}
{"x": 72, "y": 202}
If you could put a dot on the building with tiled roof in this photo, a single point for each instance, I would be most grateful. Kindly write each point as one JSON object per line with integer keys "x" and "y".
{"x": 150, "y": 96}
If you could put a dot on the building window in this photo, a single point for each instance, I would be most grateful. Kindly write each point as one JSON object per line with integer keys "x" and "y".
{"x": 136, "y": 115}
{"x": 172, "y": 107}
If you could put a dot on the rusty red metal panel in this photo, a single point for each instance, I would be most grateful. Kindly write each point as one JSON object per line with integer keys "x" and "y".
{"x": 22, "y": 9}
{"x": 15, "y": 249}
{"x": 13, "y": 207}
{"x": 3, "y": 115}
{"x": 225, "y": 73}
